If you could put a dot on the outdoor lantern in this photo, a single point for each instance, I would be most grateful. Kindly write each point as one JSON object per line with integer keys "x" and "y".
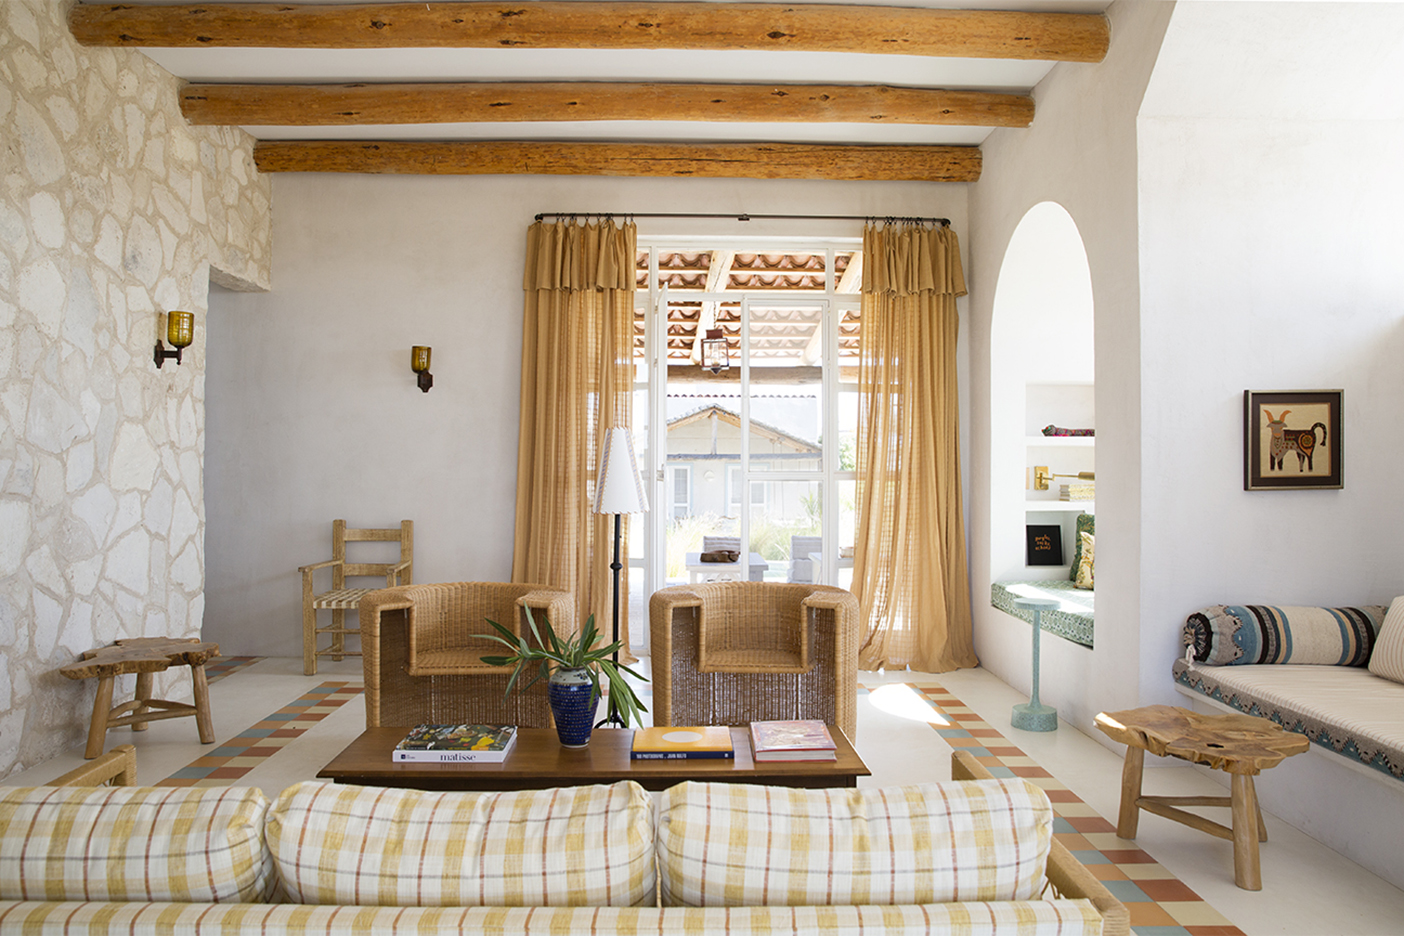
{"x": 714, "y": 354}
{"x": 419, "y": 363}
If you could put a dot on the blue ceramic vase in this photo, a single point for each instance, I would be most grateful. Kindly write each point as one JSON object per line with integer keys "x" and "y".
{"x": 573, "y": 699}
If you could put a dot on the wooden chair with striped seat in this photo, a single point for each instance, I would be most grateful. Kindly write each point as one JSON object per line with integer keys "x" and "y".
{"x": 341, "y": 599}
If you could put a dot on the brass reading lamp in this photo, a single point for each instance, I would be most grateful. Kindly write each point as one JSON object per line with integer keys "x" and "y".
{"x": 1042, "y": 476}
{"x": 180, "y": 331}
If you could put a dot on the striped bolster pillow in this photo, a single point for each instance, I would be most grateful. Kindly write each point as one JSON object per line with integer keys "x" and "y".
{"x": 732, "y": 845}
{"x": 587, "y": 846}
{"x": 115, "y": 844}
{"x": 1229, "y": 635}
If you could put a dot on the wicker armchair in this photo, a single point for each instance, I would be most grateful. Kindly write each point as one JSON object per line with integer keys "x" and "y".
{"x": 421, "y": 653}
{"x": 730, "y": 653}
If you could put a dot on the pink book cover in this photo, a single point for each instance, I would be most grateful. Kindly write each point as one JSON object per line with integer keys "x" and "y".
{"x": 791, "y": 735}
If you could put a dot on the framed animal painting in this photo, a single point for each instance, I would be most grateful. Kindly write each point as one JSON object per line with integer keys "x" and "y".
{"x": 1292, "y": 440}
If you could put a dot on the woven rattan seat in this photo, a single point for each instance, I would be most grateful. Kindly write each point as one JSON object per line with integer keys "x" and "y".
{"x": 422, "y": 647}
{"x": 729, "y": 653}
{"x": 339, "y": 599}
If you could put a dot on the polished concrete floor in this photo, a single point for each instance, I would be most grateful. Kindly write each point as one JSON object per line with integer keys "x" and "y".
{"x": 1307, "y": 888}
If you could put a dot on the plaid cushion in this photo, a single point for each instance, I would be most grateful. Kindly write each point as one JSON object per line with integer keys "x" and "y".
{"x": 187, "y": 844}
{"x": 1061, "y": 917}
{"x": 1230, "y": 635}
{"x": 588, "y": 846}
{"x": 722, "y": 844}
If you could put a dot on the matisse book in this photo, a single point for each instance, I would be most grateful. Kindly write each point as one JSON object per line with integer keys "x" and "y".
{"x": 451, "y": 744}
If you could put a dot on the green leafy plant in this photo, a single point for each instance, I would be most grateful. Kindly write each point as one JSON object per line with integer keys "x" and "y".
{"x": 574, "y": 652}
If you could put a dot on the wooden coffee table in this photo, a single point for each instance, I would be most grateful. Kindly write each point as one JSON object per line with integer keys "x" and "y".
{"x": 539, "y": 762}
{"x": 1239, "y": 745}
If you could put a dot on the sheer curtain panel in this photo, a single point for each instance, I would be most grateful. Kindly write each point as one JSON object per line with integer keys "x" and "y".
{"x": 577, "y": 377}
{"x": 909, "y": 570}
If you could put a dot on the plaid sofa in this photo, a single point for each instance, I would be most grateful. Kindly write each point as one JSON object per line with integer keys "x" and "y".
{"x": 957, "y": 857}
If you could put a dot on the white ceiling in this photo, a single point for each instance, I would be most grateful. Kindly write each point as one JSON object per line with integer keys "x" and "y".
{"x": 334, "y": 66}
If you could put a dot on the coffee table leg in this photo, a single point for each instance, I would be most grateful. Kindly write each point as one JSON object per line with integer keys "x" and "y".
{"x": 1247, "y": 873}
{"x": 1129, "y": 819}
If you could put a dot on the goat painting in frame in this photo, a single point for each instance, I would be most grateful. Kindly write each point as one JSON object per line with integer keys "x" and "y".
{"x": 1292, "y": 440}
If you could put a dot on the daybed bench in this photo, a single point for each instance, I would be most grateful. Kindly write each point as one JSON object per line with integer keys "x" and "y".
{"x": 1073, "y": 618}
{"x": 956, "y": 857}
{"x": 1335, "y": 675}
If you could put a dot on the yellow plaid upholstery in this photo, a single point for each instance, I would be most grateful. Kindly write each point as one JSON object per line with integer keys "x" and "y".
{"x": 573, "y": 846}
{"x": 1034, "y": 918}
{"x": 732, "y": 845}
{"x": 133, "y": 843}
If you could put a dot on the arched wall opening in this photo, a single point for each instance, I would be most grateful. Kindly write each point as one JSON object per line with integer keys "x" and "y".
{"x": 1042, "y": 371}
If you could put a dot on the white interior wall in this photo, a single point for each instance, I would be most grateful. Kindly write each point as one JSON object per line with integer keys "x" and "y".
{"x": 1081, "y": 153}
{"x": 1270, "y": 206}
{"x": 313, "y": 412}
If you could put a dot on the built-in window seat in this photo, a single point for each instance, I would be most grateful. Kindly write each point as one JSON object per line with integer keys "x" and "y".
{"x": 1073, "y": 618}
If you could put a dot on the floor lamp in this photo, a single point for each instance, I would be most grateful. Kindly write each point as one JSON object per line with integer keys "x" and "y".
{"x": 618, "y": 490}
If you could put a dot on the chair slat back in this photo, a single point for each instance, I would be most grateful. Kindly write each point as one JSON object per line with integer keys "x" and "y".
{"x": 342, "y": 534}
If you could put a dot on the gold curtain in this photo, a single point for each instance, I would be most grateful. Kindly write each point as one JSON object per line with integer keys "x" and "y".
{"x": 909, "y": 570}
{"x": 577, "y": 380}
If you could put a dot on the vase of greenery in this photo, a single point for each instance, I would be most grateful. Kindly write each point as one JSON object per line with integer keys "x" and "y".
{"x": 572, "y": 668}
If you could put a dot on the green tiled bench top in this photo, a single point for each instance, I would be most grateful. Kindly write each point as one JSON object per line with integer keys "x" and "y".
{"x": 1072, "y": 620}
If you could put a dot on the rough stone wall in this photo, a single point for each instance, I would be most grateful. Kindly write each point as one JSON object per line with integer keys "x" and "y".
{"x": 112, "y": 211}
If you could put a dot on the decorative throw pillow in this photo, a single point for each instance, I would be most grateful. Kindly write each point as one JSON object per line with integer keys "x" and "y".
{"x": 1387, "y": 659}
{"x": 1224, "y": 635}
{"x": 1086, "y": 544}
{"x": 1085, "y": 523}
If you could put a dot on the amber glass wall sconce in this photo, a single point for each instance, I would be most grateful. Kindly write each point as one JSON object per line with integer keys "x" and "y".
{"x": 180, "y": 331}
{"x": 419, "y": 363}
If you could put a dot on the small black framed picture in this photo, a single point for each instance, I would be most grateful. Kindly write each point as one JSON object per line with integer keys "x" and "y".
{"x": 1292, "y": 440}
{"x": 1043, "y": 544}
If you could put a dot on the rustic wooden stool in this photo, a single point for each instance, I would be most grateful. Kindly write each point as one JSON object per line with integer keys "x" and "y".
{"x": 1239, "y": 745}
{"x": 144, "y": 656}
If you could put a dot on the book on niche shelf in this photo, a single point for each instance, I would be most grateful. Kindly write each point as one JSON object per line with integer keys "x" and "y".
{"x": 682, "y": 742}
{"x": 792, "y": 740}
{"x": 456, "y": 744}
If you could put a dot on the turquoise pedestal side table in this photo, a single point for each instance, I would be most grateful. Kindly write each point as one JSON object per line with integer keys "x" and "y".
{"x": 1034, "y": 715}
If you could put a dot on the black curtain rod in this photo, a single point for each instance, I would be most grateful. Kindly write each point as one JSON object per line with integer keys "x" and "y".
{"x": 739, "y": 217}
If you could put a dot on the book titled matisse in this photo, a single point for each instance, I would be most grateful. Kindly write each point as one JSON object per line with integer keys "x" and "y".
{"x": 453, "y": 744}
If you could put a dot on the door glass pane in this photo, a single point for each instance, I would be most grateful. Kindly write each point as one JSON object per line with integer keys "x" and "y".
{"x": 786, "y": 355}
{"x": 787, "y": 529}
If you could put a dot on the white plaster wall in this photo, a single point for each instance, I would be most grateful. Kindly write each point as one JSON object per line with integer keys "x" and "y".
{"x": 1081, "y": 153}
{"x": 313, "y": 410}
{"x": 1271, "y": 241}
{"x": 112, "y": 212}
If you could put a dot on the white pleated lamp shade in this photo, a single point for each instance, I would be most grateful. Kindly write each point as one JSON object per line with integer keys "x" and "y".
{"x": 619, "y": 489}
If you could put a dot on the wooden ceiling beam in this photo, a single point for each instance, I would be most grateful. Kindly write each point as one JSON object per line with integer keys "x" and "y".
{"x": 585, "y": 24}
{"x": 469, "y": 102}
{"x": 699, "y": 160}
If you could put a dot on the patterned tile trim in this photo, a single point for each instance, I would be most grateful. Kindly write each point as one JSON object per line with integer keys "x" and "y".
{"x": 1160, "y": 904}
{"x": 232, "y": 759}
{"x": 222, "y": 666}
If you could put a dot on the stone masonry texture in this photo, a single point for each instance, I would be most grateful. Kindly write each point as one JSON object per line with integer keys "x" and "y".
{"x": 113, "y": 211}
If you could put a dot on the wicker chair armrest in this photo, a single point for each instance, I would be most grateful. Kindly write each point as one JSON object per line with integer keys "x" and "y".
{"x": 559, "y": 607}
{"x": 309, "y": 569}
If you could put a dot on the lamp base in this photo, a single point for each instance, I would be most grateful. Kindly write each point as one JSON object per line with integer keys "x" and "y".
{"x": 1032, "y": 716}
{"x": 162, "y": 353}
{"x": 426, "y": 380}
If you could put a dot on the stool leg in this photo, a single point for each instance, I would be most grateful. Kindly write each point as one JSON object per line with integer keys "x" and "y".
{"x": 1129, "y": 820}
{"x": 143, "y": 692}
{"x": 1247, "y": 873}
{"x": 204, "y": 721}
{"x": 102, "y": 707}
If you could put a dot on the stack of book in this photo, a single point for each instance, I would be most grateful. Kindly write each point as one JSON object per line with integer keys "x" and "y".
{"x": 456, "y": 744}
{"x": 792, "y": 740}
{"x": 1077, "y": 492}
{"x": 681, "y": 743}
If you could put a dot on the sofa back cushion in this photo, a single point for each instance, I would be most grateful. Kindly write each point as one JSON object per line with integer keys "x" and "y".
{"x": 1230, "y": 635}
{"x": 117, "y": 844}
{"x": 731, "y": 845}
{"x": 587, "y": 846}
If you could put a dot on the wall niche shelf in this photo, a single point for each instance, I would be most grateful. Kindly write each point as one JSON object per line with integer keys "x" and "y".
{"x": 1042, "y": 441}
{"x": 1058, "y": 506}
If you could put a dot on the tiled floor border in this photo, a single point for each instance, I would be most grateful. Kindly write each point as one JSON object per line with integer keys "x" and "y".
{"x": 1160, "y": 904}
